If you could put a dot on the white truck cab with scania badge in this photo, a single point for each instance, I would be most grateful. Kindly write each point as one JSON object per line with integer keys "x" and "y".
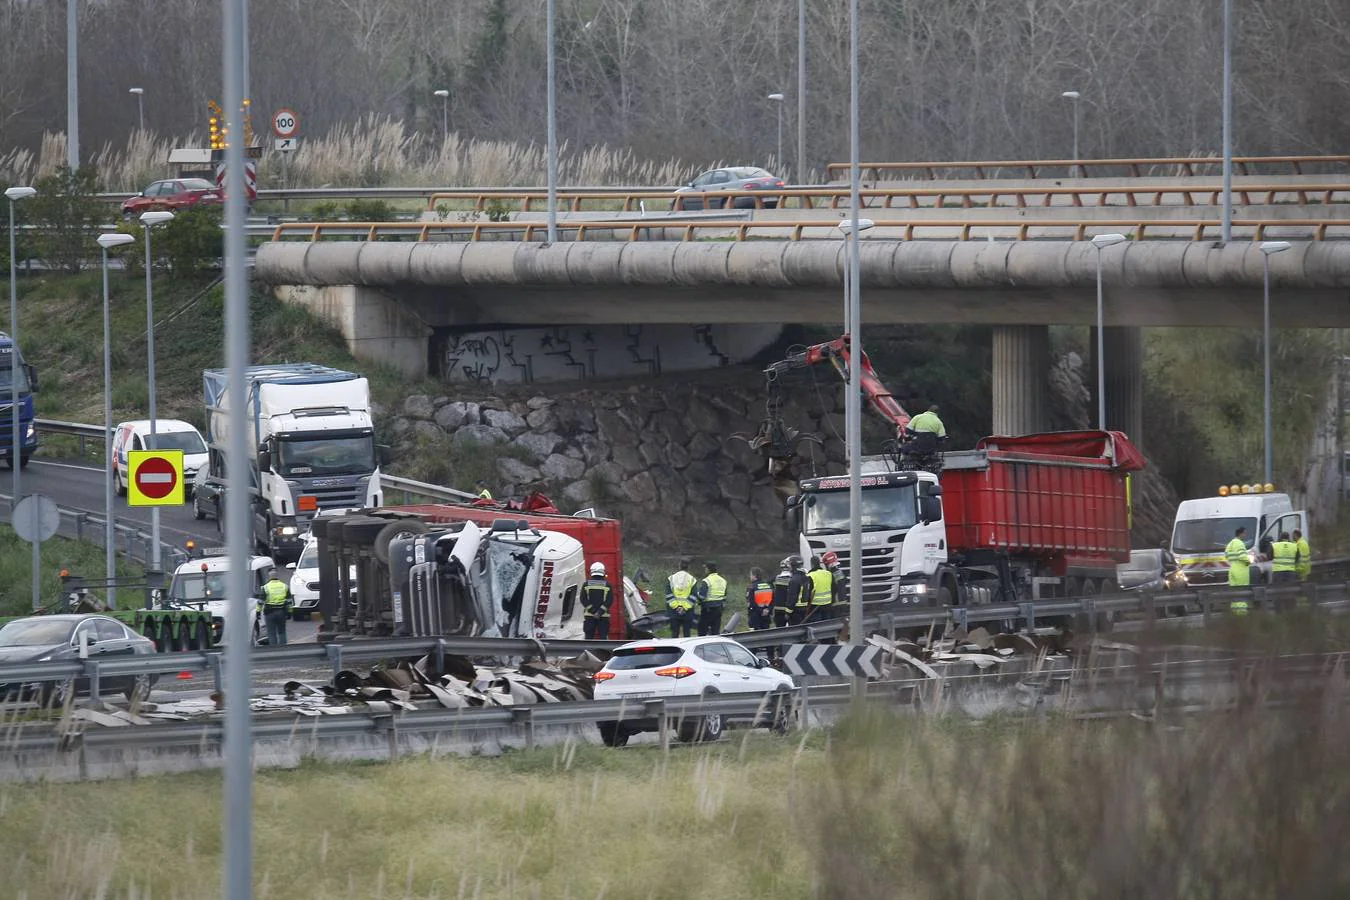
{"x": 1204, "y": 527}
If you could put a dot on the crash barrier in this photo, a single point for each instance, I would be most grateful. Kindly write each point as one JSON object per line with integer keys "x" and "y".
{"x": 1058, "y": 197}
{"x": 1086, "y": 614}
{"x": 92, "y": 437}
{"x": 1135, "y": 167}
{"x": 796, "y": 230}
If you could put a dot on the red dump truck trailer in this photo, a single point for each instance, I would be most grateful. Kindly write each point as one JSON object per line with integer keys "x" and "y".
{"x": 1014, "y": 519}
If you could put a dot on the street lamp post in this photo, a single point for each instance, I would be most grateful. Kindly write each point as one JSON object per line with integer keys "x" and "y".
{"x": 1267, "y": 248}
{"x": 853, "y": 400}
{"x": 445, "y": 113}
{"x": 552, "y": 127}
{"x": 16, "y": 457}
{"x": 140, "y": 109}
{"x": 801, "y": 91}
{"x": 1101, "y": 242}
{"x": 778, "y": 160}
{"x": 846, "y": 227}
{"x": 149, "y": 220}
{"x": 1073, "y": 96}
{"x": 1227, "y": 220}
{"x": 107, "y": 242}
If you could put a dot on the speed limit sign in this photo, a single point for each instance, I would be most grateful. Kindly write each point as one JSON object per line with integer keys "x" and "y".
{"x": 285, "y": 123}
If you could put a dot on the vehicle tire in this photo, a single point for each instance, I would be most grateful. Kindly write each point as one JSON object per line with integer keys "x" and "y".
{"x": 702, "y": 728}
{"x": 55, "y": 694}
{"x": 118, "y": 486}
{"x": 139, "y": 689}
{"x": 197, "y": 512}
{"x": 257, "y": 631}
{"x": 203, "y": 636}
{"x": 782, "y": 711}
{"x": 612, "y": 734}
{"x": 300, "y": 615}
{"x": 397, "y": 529}
{"x": 24, "y": 460}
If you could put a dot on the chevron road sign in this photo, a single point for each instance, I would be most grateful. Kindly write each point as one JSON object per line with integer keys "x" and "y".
{"x": 836, "y": 659}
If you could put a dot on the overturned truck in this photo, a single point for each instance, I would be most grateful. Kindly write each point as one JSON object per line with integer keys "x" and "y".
{"x": 397, "y": 573}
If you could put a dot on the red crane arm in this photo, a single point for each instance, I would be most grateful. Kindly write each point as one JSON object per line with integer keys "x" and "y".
{"x": 838, "y": 353}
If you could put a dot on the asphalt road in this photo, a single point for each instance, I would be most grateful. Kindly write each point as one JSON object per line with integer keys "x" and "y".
{"x": 77, "y": 485}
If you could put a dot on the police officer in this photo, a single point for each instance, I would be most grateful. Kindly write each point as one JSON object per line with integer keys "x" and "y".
{"x": 597, "y": 594}
{"x": 712, "y": 597}
{"x": 791, "y": 592}
{"x": 680, "y": 601}
{"x": 759, "y": 600}
{"x": 1239, "y": 568}
{"x": 1284, "y": 555}
{"x": 276, "y": 608}
{"x": 1304, "y": 567}
{"x": 822, "y": 591}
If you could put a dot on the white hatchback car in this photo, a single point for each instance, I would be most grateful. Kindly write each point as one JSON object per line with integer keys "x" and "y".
{"x": 690, "y": 667}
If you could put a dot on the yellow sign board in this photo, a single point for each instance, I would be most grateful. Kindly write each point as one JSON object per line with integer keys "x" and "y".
{"x": 155, "y": 478}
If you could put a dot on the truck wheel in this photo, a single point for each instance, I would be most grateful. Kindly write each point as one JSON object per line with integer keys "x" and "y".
{"x": 403, "y": 528}
{"x": 23, "y": 461}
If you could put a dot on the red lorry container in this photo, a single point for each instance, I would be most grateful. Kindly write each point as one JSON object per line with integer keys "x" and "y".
{"x": 1060, "y": 498}
{"x": 600, "y": 538}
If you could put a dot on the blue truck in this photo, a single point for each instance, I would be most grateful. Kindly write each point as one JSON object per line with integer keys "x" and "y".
{"x": 20, "y": 400}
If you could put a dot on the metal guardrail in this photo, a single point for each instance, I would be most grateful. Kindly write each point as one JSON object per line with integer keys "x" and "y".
{"x": 1135, "y": 167}
{"x": 797, "y": 230}
{"x": 533, "y": 199}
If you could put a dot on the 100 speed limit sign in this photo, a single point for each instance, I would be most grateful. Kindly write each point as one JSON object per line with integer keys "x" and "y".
{"x": 285, "y": 123}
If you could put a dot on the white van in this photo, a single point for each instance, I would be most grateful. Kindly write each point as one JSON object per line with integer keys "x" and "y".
{"x": 170, "y": 434}
{"x": 1204, "y": 527}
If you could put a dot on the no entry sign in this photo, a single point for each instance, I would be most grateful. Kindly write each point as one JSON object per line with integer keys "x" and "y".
{"x": 155, "y": 478}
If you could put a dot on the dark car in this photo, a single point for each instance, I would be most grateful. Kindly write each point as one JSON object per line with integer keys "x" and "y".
{"x": 208, "y": 495}
{"x": 733, "y": 178}
{"x": 174, "y": 194}
{"x": 1150, "y": 570}
{"x": 59, "y": 639}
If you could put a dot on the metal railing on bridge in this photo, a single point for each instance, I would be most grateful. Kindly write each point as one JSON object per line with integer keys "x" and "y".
{"x": 498, "y": 200}
{"x": 816, "y": 229}
{"x": 1134, "y": 167}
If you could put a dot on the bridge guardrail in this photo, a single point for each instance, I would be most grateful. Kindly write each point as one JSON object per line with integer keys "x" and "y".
{"x": 1133, "y": 166}
{"x": 797, "y": 230}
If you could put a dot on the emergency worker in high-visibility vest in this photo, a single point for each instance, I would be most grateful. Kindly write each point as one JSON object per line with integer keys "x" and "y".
{"x": 759, "y": 600}
{"x": 1239, "y": 567}
{"x": 276, "y": 608}
{"x": 712, "y": 598}
{"x": 824, "y": 592}
{"x": 1304, "y": 566}
{"x": 791, "y": 592}
{"x": 680, "y": 601}
{"x": 1284, "y": 560}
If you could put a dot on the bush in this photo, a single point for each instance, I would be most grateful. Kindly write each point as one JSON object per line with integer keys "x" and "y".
{"x": 370, "y": 211}
{"x": 192, "y": 241}
{"x": 69, "y": 216}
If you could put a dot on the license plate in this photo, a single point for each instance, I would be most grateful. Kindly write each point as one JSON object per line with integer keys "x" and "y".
{"x": 633, "y": 695}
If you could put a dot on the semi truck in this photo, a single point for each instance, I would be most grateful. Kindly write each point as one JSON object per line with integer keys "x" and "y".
{"x": 313, "y": 444}
{"x": 1205, "y": 525}
{"x": 16, "y": 399}
{"x": 1016, "y": 518}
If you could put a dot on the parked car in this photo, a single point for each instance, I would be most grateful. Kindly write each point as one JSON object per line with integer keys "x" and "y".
{"x": 170, "y": 434}
{"x": 208, "y": 495}
{"x": 60, "y": 639}
{"x": 735, "y": 178}
{"x": 690, "y": 667}
{"x": 1150, "y": 570}
{"x": 173, "y": 194}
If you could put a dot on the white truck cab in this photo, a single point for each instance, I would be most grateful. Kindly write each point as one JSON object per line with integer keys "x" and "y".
{"x": 202, "y": 584}
{"x": 1204, "y": 527}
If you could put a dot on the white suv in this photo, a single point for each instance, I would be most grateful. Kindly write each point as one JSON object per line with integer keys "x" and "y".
{"x": 690, "y": 667}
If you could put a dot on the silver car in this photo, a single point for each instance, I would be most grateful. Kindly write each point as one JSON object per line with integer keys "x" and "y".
{"x": 733, "y": 178}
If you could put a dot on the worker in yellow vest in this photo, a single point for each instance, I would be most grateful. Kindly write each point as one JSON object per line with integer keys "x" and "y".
{"x": 1239, "y": 568}
{"x": 276, "y": 608}
{"x": 823, "y": 591}
{"x": 680, "y": 601}
{"x": 712, "y": 597}
{"x": 1304, "y": 566}
{"x": 1284, "y": 560}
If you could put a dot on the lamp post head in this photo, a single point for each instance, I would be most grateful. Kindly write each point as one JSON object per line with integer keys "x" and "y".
{"x": 846, "y": 226}
{"x": 136, "y": 91}
{"x": 1102, "y": 241}
{"x": 1071, "y": 95}
{"x": 1269, "y": 247}
{"x": 115, "y": 239}
{"x": 442, "y": 94}
{"x": 20, "y": 193}
{"x": 775, "y": 96}
{"x": 155, "y": 217}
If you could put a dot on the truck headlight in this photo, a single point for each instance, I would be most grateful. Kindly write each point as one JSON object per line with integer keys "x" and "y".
{"x": 286, "y": 530}
{"x": 31, "y": 433}
{"x": 913, "y": 590}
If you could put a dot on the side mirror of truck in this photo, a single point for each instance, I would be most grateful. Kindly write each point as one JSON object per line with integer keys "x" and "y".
{"x": 32, "y": 378}
{"x": 930, "y": 509}
{"x": 384, "y": 453}
{"x": 793, "y": 501}
{"x": 264, "y": 460}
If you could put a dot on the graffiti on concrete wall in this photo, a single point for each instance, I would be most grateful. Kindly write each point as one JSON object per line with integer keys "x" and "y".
{"x": 573, "y": 353}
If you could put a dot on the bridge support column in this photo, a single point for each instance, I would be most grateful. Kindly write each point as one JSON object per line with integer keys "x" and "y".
{"x": 1124, "y": 358}
{"x": 377, "y": 327}
{"x": 1021, "y": 388}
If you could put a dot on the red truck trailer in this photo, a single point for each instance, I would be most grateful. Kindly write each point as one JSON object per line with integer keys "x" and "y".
{"x": 1017, "y": 518}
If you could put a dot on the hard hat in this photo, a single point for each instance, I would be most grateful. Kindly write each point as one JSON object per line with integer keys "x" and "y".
{"x": 787, "y": 562}
{"x": 830, "y": 558}
{"x": 795, "y": 562}
{"x": 597, "y": 568}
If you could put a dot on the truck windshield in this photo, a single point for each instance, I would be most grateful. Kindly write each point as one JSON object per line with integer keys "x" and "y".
{"x": 24, "y": 386}
{"x": 883, "y": 509}
{"x": 198, "y": 586}
{"x": 1209, "y": 535}
{"x": 328, "y": 456}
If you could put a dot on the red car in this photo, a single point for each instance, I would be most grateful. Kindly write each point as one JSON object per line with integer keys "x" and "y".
{"x": 173, "y": 194}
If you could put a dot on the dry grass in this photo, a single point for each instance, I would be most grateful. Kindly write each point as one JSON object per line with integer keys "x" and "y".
{"x": 373, "y": 152}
